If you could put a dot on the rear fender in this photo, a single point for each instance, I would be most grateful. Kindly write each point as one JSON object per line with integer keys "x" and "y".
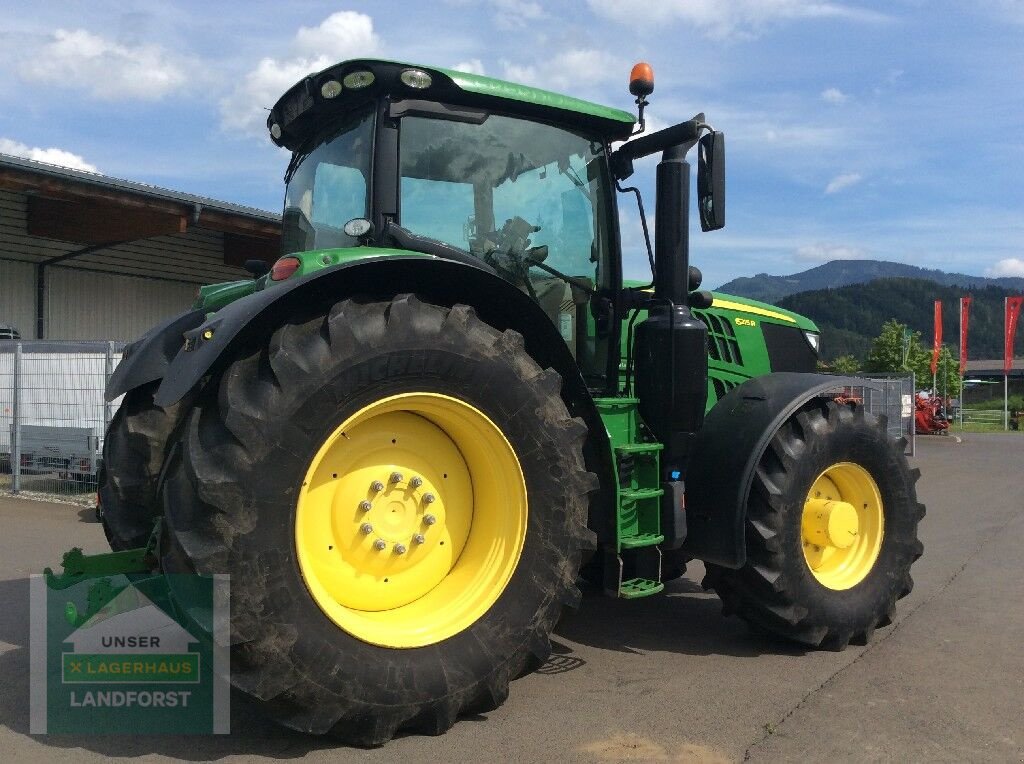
{"x": 148, "y": 358}
{"x": 211, "y": 345}
{"x": 736, "y": 432}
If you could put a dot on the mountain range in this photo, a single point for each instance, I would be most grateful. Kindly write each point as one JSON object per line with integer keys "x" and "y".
{"x": 839, "y": 273}
{"x": 849, "y": 300}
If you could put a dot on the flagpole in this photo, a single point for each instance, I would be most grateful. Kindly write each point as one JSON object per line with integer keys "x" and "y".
{"x": 1006, "y": 379}
{"x": 963, "y": 390}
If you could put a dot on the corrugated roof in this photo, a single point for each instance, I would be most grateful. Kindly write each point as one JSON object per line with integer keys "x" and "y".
{"x": 992, "y": 366}
{"x": 133, "y": 187}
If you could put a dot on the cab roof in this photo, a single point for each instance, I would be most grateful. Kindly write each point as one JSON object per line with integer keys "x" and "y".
{"x": 304, "y": 106}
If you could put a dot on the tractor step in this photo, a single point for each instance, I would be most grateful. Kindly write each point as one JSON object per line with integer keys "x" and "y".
{"x": 643, "y": 566}
{"x": 636, "y": 494}
{"x": 639, "y": 448}
{"x": 635, "y": 588}
{"x": 641, "y": 540}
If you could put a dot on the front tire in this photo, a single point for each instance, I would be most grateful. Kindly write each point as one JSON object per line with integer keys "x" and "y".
{"x": 304, "y": 442}
{"x": 831, "y": 531}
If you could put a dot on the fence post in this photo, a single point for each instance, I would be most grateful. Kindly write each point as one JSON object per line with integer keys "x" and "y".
{"x": 913, "y": 416}
{"x": 16, "y": 423}
{"x": 108, "y": 409}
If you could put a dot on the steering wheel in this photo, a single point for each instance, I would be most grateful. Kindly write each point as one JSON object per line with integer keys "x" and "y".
{"x": 512, "y": 244}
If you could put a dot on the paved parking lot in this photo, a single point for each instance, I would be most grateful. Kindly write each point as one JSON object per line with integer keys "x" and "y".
{"x": 667, "y": 678}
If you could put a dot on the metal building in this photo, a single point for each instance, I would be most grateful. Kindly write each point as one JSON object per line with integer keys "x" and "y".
{"x": 84, "y": 256}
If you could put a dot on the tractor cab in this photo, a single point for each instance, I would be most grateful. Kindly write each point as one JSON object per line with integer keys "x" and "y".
{"x": 391, "y": 156}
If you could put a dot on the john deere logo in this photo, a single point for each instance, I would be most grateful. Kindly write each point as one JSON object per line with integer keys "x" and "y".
{"x": 129, "y": 666}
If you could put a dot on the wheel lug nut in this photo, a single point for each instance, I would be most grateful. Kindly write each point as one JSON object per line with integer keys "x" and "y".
{"x": 429, "y": 519}
{"x": 428, "y": 498}
{"x": 376, "y": 485}
{"x": 365, "y": 505}
{"x": 399, "y": 548}
{"x": 380, "y": 545}
{"x": 366, "y": 528}
{"x": 416, "y": 482}
{"x": 396, "y": 477}
{"x": 419, "y": 538}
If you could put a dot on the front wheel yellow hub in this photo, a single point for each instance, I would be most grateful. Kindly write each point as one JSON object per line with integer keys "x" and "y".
{"x": 411, "y": 520}
{"x": 842, "y": 526}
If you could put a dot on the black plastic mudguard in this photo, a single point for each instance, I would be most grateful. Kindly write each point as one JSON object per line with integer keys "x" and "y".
{"x": 735, "y": 434}
{"x": 147, "y": 358}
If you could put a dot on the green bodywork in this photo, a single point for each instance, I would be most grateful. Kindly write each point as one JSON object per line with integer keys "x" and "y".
{"x": 736, "y": 346}
{"x": 215, "y": 296}
{"x": 488, "y": 86}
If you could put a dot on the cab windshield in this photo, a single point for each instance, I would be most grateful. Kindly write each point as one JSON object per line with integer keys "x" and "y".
{"x": 530, "y": 200}
{"x": 327, "y": 188}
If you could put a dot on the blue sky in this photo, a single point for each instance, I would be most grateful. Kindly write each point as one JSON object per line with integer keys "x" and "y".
{"x": 888, "y": 131}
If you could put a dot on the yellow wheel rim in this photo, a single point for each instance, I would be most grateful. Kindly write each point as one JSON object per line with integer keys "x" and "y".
{"x": 843, "y": 525}
{"x": 411, "y": 520}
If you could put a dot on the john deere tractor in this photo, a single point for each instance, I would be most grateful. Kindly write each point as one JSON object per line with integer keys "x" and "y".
{"x": 408, "y": 438}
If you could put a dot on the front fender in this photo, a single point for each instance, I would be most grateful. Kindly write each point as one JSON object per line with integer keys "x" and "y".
{"x": 736, "y": 432}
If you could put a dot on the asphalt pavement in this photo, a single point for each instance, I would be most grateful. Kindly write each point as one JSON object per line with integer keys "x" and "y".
{"x": 668, "y": 678}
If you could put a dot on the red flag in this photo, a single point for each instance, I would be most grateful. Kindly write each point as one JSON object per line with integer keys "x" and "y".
{"x": 1012, "y": 313}
{"x": 965, "y": 309}
{"x": 937, "y": 345}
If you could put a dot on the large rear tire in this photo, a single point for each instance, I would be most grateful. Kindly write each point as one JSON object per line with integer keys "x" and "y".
{"x": 307, "y": 471}
{"x": 134, "y": 449}
{"x": 831, "y": 531}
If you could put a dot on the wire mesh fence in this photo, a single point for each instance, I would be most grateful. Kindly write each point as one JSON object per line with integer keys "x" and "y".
{"x": 53, "y": 416}
{"x": 894, "y": 398}
{"x": 888, "y": 395}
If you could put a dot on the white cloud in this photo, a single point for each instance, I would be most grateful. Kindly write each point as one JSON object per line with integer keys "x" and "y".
{"x": 341, "y": 35}
{"x": 571, "y": 70}
{"x": 109, "y": 70}
{"x": 516, "y": 14}
{"x": 1011, "y": 266}
{"x": 472, "y": 66}
{"x": 834, "y": 95}
{"x": 721, "y": 19}
{"x": 822, "y": 252}
{"x": 839, "y": 182}
{"x": 50, "y": 156}
{"x": 338, "y": 36}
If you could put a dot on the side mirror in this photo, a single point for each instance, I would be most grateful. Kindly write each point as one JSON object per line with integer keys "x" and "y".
{"x": 711, "y": 181}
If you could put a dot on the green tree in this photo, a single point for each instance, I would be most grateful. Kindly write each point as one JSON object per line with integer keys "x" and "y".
{"x": 845, "y": 364}
{"x": 897, "y": 349}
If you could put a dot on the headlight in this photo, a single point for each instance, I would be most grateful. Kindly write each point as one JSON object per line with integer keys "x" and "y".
{"x": 417, "y": 79}
{"x": 813, "y": 340}
{"x": 330, "y": 89}
{"x": 357, "y": 80}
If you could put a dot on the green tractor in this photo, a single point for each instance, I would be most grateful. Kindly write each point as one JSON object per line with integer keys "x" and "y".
{"x": 408, "y": 439}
